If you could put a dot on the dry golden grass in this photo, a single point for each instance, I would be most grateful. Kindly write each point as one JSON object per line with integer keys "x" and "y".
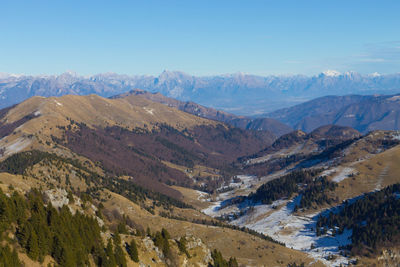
{"x": 93, "y": 110}
{"x": 248, "y": 249}
{"x": 192, "y": 197}
{"x": 376, "y": 172}
{"x": 29, "y": 262}
{"x": 388, "y": 257}
{"x": 20, "y": 183}
{"x": 196, "y": 171}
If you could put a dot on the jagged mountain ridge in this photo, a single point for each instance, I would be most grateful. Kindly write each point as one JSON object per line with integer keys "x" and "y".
{"x": 257, "y": 124}
{"x": 364, "y": 113}
{"x": 236, "y": 93}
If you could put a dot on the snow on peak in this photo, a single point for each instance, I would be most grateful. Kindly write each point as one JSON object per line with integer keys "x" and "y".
{"x": 375, "y": 74}
{"x": 4, "y": 75}
{"x": 331, "y": 73}
{"x": 70, "y": 73}
{"x": 351, "y": 73}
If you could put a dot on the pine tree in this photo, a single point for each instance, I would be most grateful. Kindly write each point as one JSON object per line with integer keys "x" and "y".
{"x": 120, "y": 259}
{"x": 133, "y": 252}
{"x": 67, "y": 259}
{"x": 9, "y": 258}
{"x": 165, "y": 234}
{"x": 33, "y": 246}
{"x": 148, "y": 232}
{"x": 110, "y": 255}
{"x": 233, "y": 262}
{"x": 182, "y": 246}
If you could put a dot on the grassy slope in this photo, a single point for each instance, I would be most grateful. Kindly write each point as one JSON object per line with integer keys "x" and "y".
{"x": 246, "y": 248}
{"x": 249, "y": 250}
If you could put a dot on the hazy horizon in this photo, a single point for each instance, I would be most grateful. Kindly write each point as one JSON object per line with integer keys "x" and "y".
{"x": 327, "y": 72}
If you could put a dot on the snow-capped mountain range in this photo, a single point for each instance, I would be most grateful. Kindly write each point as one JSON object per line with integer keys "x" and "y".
{"x": 237, "y": 93}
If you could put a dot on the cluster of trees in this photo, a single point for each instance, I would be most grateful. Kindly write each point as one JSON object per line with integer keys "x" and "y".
{"x": 18, "y": 164}
{"x": 139, "y": 194}
{"x": 262, "y": 168}
{"x": 43, "y": 230}
{"x": 161, "y": 240}
{"x": 113, "y": 255}
{"x": 181, "y": 155}
{"x": 8, "y": 257}
{"x": 282, "y": 187}
{"x": 219, "y": 261}
{"x": 182, "y": 246}
{"x": 316, "y": 193}
{"x": 332, "y": 151}
{"x": 133, "y": 251}
{"x": 374, "y": 219}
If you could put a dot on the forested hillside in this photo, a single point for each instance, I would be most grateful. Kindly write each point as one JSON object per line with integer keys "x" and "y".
{"x": 373, "y": 218}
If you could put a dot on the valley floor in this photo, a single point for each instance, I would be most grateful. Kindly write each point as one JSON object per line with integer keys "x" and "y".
{"x": 278, "y": 221}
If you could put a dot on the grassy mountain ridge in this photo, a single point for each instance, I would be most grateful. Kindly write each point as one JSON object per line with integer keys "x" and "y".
{"x": 257, "y": 124}
{"x": 132, "y": 132}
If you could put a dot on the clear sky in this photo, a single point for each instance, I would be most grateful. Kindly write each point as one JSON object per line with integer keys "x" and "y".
{"x": 199, "y": 37}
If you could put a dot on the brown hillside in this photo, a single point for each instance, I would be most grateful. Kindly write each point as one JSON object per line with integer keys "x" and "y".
{"x": 127, "y": 136}
{"x": 270, "y": 126}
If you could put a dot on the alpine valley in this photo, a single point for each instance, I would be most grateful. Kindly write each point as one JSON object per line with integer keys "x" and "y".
{"x": 95, "y": 172}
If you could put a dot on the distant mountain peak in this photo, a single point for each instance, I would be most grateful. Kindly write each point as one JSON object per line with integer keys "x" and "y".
{"x": 172, "y": 74}
{"x": 4, "y": 75}
{"x": 375, "y": 74}
{"x": 71, "y": 73}
{"x": 331, "y": 73}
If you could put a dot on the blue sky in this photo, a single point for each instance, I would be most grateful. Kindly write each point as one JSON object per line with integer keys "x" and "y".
{"x": 199, "y": 37}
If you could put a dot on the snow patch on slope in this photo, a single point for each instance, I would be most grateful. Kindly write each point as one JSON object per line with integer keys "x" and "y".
{"x": 297, "y": 232}
{"x": 58, "y": 103}
{"x": 149, "y": 110}
{"x": 344, "y": 174}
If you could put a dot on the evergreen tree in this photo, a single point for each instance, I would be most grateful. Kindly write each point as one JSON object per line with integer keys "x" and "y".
{"x": 9, "y": 258}
{"x": 119, "y": 255}
{"x": 133, "y": 252}
{"x": 219, "y": 260}
{"x": 233, "y": 262}
{"x": 182, "y": 246}
{"x": 165, "y": 234}
{"x": 120, "y": 259}
{"x": 33, "y": 246}
{"x": 66, "y": 258}
{"x": 110, "y": 255}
